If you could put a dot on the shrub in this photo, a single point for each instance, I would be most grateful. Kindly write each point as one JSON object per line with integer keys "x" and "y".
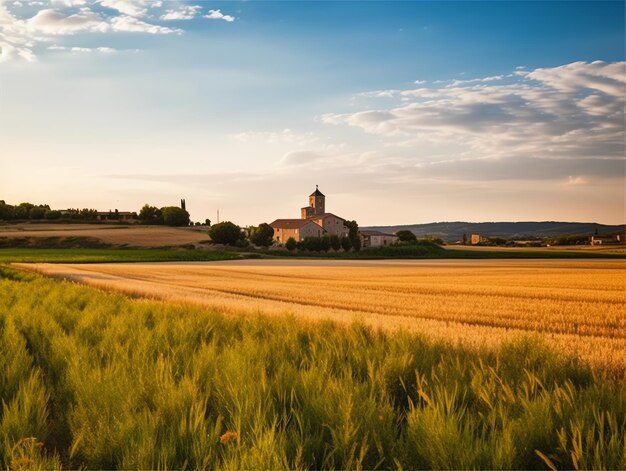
{"x": 406, "y": 236}
{"x": 52, "y": 214}
{"x": 346, "y": 244}
{"x": 262, "y": 235}
{"x": 335, "y": 242}
{"x": 175, "y": 216}
{"x": 226, "y": 233}
{"x": 291, "y": 244}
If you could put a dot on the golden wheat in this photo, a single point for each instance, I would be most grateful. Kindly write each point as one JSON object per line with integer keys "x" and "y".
{"x": 578, "y": 305}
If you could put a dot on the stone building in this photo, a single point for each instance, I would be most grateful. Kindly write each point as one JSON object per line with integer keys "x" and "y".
{"x": 377, "y": 239}
{"x": 314, "y": 221}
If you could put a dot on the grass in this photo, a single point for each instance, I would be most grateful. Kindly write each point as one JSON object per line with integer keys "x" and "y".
{"x": 97, "y": 380}
{"x": 423, "y": 251}
{"x": 98, "y": 255}
{"x": 575, "y": 304}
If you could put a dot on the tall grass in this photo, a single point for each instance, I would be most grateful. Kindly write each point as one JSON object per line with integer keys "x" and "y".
{"x": 103, "y": 381}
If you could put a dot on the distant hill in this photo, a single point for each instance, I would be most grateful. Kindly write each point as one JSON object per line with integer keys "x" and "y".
{"x": 453, "y": 231}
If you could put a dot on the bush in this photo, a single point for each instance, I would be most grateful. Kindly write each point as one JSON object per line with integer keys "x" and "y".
{"x": 226, "y": 233}
{"x": 37, "y": 212}
{"x": 406, "y": 236}
{"x": 346, "y": 244}
{"x": 52, "y": 215}
{"x": 262, "y": 235}
{"x": 291, "y": 244}
{"x": 175, "y": 216}
{"x": 335, "y": 242}
{"x": 150, "y": 215}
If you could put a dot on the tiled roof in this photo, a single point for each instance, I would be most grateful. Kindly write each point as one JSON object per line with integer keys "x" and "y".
{"x": 323, "y": 215}
{"x": 291, "y": 223}
{"x": 316, "y": 192}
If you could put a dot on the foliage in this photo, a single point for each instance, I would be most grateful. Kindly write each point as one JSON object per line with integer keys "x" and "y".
{"x": 263, "y": 235}
{"x": 150, "y": 215}
{"x": 335, "y": 242}
{"x": 291, "y": 244}
{"x": 53, "y": 215}
{"x": 346, "y": 244}
{"x": 406, "y": 236}
{"x": 226, "y": 233}
{"x": 353, "y": 235}
{"x": 175, "y": 216}
{"x": 106, "y": 382}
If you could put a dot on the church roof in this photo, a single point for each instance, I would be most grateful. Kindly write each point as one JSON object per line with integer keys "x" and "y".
{"x": 323, "y": 215}
{"x": 317, "y": 192}
{"x": 291, "y": 223}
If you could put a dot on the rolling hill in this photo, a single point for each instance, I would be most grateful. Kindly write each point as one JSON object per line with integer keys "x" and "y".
{"x": 453, "y": 231}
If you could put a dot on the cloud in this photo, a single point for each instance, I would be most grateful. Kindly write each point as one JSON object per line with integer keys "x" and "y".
{"x": 135, "y": 8}
{"x": 300, "y": 158}
{"x": 571, "y": 111}
{"x": 218, "y": 15}
{"x": 50, "y": 21}
{"x": 102, "y": 49}
{"x": 133, "y": 25}
{"x": 22, "y": 31}
{"x": 185, "y": 12}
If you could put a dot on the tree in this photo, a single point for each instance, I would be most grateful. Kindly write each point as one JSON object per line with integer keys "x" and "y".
{"x": 346, "y": 244}
{"x": 464, "y": 240}
{"x": 38, "y": 212}
{"x": 50, "y": 215}
{"x": 406, "y": 236}
{"x": 150, "y": 215}
{"x": 262, "y": 235}
{"x": 175, "y": 216}
{"x": 7, "y": 212}
{"x": 291, "y": 244}
{"x": 335, "y": 242}
{"x": 226, "y": 233}
{"x": 353, "y": 234}
{"x": 324, "y": 243}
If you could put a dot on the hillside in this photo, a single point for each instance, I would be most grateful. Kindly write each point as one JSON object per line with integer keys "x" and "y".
{"x": 453, "y": 231}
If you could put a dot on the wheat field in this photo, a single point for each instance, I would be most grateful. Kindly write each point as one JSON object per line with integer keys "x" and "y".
{"x": 577, "y": 306}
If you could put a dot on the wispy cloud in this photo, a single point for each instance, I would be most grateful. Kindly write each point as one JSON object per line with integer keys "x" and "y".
{"x": 571, "y": 111}
{"x": 185, "y": 12}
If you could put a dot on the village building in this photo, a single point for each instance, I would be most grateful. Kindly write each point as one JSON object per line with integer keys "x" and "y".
{"x": 377, "y": 239}
{"x": 477, "y": 239}
{"x": 116, "y": 216}
{"x": 314, "y": 222}
{"x": 606, "y": 239}
{"x": 296, "y": 228}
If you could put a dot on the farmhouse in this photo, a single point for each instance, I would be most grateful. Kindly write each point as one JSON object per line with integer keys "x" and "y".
{"x": 477, "y": 239}
{"x": 117, "y": 216}
{"x": 606, "y": 239}
{"x": 377, "y": 239}
{"x": 314, "y": 221}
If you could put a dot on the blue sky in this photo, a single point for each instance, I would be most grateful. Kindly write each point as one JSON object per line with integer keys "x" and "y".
{"x": 402, "y": 112}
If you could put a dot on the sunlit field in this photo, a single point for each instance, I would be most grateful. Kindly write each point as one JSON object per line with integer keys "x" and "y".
{"x": 102, "y": 381}
{"x": 576, "y": 306}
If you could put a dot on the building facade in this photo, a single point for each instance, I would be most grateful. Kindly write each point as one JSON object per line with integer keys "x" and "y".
{"x": 296, "y": 228}
{"x": 314, "y": 222}
{"x": 377, "y": 239}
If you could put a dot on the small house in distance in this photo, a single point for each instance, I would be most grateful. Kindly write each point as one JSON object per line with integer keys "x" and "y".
{"x": 314, "y": 222}
{"x": 606, "y": 239}
{"x": 377, "y": 239}
{"x": 477, "y": 239}
{"x": 116, "y": 216}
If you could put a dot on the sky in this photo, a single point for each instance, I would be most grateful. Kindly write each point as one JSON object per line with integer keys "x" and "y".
{"x": 402, "y": 112}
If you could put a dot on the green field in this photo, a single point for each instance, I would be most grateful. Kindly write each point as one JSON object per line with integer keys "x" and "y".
{"x": 98, "y": 380}
{"x": 426, "y": 251}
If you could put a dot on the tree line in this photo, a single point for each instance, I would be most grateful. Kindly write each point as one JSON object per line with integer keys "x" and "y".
{"x": 229, "y": 233}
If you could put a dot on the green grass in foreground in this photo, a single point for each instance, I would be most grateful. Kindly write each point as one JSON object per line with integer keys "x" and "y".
{"x": 102, "y": 381}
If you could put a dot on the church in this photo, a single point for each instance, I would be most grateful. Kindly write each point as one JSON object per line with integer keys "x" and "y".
{"x": 314, "y": 222}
